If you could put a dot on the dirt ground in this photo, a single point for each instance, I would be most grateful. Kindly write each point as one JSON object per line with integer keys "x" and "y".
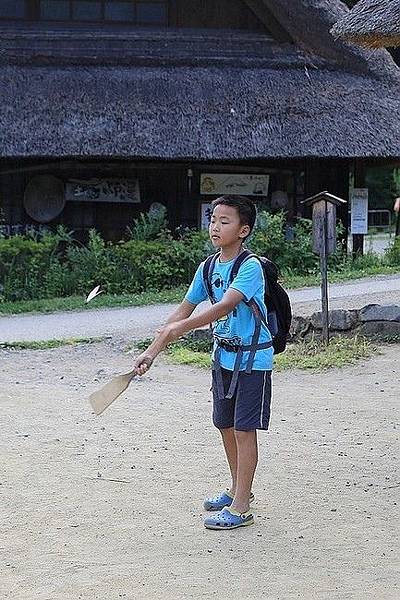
{"x": 111, "y": 507}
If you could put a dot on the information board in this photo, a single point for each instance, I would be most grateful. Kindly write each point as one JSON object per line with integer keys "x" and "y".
{"x": 234, "y": 183}
{"x": 359, "y": 211}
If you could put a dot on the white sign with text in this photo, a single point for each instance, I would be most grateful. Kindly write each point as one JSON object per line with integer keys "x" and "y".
{"x": 103, "y": 190}
{"x": 359, "y": 211}
{"x": 233, "y": 183}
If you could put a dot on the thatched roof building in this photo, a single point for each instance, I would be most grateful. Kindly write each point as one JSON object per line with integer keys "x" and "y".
{"x": 198, "y": 94}
{"x": 371, "y": 23}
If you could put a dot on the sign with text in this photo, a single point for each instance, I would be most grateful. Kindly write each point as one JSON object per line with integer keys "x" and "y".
{"x": 103, "y": 190}
{"x": 233, "y": 183}
{"x": 359, "y": 211}
{"x": 205, "y": 215}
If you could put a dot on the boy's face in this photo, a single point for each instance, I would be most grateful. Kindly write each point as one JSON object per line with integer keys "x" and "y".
{"x": 225, "y": 228}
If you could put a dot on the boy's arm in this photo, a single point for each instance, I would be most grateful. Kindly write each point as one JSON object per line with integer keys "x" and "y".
{"x": 183, "y": 311}
{"x": 174, "y": 330}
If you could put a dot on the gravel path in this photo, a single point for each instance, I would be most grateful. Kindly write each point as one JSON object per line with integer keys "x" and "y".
{"x": 141, "y": 321}
{"x": 110, "y": 507}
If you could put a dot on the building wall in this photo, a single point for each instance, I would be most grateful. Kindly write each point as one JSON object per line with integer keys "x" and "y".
{"x": 175, "y": 185}
{"x": 163, "y": 184}
{"x": 224, "y": 14}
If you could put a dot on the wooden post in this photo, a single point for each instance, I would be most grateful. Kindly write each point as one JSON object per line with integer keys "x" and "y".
{"x": 358, "y": 244}
{"x": 324, "y": 207}
{"x": 324, "y": 278}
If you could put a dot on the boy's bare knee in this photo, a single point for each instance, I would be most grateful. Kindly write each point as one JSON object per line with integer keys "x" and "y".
{"x": 243, "y": 436}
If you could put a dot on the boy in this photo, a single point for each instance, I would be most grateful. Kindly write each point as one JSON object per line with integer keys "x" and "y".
{"x": 241, "y": 370}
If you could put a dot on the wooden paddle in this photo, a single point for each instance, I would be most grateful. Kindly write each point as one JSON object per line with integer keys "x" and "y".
{"x": 102, "y": 399}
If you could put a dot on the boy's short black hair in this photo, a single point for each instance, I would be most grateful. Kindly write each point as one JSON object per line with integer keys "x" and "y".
{"x": 245, "y": 208}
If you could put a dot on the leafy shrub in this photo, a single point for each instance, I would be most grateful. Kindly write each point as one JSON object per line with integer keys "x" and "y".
{"x": 392, "y": 254}
{"x": 156, "y": 265}
{"x": 367, "y": 260}
{"x": 88, "y": 265}
{"x": 268, "y": 237}
{"x": 271, "y": 239}
{"x": 23, "y": 261}
{"x": 55, "y": 265}
{"x": 150, "y": 226}
{"x": 299, "y": 256}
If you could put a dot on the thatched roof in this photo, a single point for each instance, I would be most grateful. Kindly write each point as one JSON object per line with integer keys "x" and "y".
{"x": 200, "y": 95}
{"x": 372, "y": 23}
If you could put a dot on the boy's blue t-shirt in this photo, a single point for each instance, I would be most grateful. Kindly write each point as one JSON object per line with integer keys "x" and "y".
{"x": 240, "y": 322}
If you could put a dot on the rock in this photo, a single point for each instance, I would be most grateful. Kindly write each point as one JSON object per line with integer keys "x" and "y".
{"x": 383, "y": 330}
{"x": 316, "y": 320}
{"x": 342, "y": 320}
{"x": 339, "y": 320}
{"x": 299, "y": 327}
{"x": 376, "y": 312}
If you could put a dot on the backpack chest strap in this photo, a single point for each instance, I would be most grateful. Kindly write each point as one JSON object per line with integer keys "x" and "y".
{"x": 239, "y": 350}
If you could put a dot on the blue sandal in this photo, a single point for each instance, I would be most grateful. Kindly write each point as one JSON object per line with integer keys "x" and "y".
{"x": 221, "y": 500}
{"x": 229, "y": 518}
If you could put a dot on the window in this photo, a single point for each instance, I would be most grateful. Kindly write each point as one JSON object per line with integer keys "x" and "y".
{"x": 140, "y": 12}
{"x": 119, "y": 11}
{"x": 54, "y": 10}
{"x": 12, "y": 9}
{"x": 87, "y": 10}
{"x": 151, "y": 13}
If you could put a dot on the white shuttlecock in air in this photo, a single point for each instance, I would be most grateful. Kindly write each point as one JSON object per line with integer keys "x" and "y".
{"x": 95, "y": 292}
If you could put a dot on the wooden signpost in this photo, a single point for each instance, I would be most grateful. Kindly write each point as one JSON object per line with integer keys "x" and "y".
{"x": 324, "y": 243}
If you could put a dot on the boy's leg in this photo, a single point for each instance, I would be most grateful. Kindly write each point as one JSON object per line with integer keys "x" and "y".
{"x": 229, "y": 441}
{"x": 252, "y": 412}
{"x": 223, "y": 419}
{"x": 247, "y": 458}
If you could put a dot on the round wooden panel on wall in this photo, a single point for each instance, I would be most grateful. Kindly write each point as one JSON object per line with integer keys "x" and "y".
{"x": 44, "y": 198}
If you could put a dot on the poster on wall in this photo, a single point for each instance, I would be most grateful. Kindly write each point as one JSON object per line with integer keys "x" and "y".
{"x": 359, "y": 211}
{"x": 103, "y": 190}
{"x": 205, "y": 214}
{"x": 233, "y": 183}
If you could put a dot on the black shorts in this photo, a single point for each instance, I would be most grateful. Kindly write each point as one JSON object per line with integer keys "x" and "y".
{"x": 250, "y": 406}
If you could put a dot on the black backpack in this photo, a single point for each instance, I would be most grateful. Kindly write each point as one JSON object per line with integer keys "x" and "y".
{"x": 276, "y": 298}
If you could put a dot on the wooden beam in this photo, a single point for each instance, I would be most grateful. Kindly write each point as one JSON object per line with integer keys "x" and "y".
{"x": 71, "y": 165}
{"x": 262, "y": 12}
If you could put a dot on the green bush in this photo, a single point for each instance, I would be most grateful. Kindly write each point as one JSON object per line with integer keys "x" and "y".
{"x": 299, "y": 256}
{"x": 33, "y": 269}
{"x": 268, "y": 237}
{"x": 294, "y": 255}
{"x": 392, "y": 254}
{"x": 23, "y": 262}
{"x": 156, "y": 265}
{"x": 150, "y": 226}
{"x": 86, "y": 266}
{"x": 55, "y": 265}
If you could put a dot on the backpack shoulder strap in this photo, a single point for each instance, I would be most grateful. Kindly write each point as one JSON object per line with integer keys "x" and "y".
{"x": 270, "y": 269}
{"x": 243, "y": 256}
{"x": 208, "y": 268}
